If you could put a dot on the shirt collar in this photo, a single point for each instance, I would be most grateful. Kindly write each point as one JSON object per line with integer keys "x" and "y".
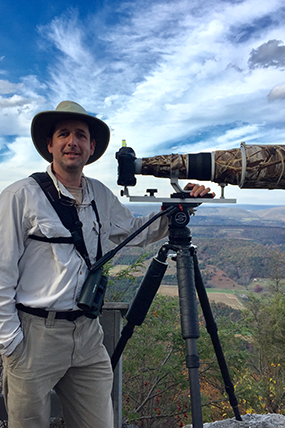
{"x": 63, "y": 190}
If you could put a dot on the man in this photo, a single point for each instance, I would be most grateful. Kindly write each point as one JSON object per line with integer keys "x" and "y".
{"x": 45, "y": 340}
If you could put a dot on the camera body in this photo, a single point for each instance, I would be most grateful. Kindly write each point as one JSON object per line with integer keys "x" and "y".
{"x": 126, "y": 166}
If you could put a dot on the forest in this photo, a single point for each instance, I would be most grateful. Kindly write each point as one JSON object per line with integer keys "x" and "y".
{"x": 155, "y": 381}
{"x": 155, "y": 378}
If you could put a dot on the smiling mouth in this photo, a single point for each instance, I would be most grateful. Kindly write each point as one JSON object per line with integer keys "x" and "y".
{"x": 71, "y": 154}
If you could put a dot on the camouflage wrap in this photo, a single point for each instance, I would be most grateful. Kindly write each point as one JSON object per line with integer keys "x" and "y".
{"x": 165, "y": 166}
{"x": 250, "y": 166}
{"x": 256, "y": 166}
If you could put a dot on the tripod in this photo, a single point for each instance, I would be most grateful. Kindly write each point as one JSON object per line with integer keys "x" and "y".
{"x": 189, "y": 282}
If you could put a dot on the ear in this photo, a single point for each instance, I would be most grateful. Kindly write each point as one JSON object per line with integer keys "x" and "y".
{"x": 49, "y": 145}
{"x": 92, "y": 147}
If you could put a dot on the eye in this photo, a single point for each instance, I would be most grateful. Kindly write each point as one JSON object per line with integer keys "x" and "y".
{"x": 63, "y": 134}
{"x": 81, "y": 135}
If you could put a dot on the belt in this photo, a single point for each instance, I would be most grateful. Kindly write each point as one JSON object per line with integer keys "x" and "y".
{"x": 68, "y": 315}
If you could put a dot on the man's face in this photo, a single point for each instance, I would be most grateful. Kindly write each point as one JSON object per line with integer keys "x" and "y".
{"x": 70, "y": 145}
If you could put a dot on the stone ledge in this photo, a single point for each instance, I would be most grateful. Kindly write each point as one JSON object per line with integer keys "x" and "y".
{"x": 271, "y": 420}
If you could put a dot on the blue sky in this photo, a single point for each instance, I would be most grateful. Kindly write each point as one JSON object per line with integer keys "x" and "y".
{"x": 167, "y": 76}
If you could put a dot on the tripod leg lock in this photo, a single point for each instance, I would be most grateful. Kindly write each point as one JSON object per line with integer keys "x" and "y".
{"x": 212, "y": 328}
{"x": 192, "y": 361}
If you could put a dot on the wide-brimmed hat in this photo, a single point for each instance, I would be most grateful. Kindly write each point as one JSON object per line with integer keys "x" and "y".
{"x": 68, "y": 110}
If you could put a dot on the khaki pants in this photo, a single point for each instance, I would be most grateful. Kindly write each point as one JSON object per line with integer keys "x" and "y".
{"x": 68, "y": 357}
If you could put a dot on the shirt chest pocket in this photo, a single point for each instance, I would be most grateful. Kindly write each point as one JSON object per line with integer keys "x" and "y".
{"x": 90, "y": 230}
{"x": 55, "y": 229}
{"x": 50, "y": 229}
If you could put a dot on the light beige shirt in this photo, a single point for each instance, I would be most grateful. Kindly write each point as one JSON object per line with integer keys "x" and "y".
{"x": 47, "y": 275}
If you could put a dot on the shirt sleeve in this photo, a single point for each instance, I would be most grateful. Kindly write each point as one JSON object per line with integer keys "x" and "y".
{"x": 124, "y": 223}
{"x": 11, "y": 249}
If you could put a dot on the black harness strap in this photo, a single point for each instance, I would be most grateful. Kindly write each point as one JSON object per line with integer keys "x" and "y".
{"x": 68, "y": 216}
{"x": 99, "y": 250}
{"x": 61, "y": 240}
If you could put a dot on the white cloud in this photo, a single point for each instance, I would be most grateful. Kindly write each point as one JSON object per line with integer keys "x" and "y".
{"x": 271, "y": 53}
{"x": 14, "y": 101}
{"x": 17, "y": 112}
{"x": 8, "y": 88}
{"x": 23, "y": 160}
{"x": 278, "y": 92}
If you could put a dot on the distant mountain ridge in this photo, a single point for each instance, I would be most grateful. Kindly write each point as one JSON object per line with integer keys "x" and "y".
{"x": 235, "y": 214}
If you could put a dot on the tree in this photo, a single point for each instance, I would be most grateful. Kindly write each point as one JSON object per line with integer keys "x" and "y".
{"x": 262, "y": 382}
{"x": 122, "y": 286}
{"x": 276, "y": 266}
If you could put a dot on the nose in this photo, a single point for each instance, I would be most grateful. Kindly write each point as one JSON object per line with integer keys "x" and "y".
{"x": 71, "y": 141}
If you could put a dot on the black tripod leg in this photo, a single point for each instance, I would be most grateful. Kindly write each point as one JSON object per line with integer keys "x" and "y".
{"x": 190, "y": 328}
{"x": 142, "y": 301}
{"x": 213, "y": 331}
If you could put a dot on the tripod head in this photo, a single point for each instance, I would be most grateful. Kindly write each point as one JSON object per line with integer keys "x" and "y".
{"x": 181, "y": 217}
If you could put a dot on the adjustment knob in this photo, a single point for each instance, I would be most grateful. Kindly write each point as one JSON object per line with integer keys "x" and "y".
{"x": 151, "y": 191}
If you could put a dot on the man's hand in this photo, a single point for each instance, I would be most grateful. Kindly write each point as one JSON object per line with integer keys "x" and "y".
{"x": 198, "y": 190}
